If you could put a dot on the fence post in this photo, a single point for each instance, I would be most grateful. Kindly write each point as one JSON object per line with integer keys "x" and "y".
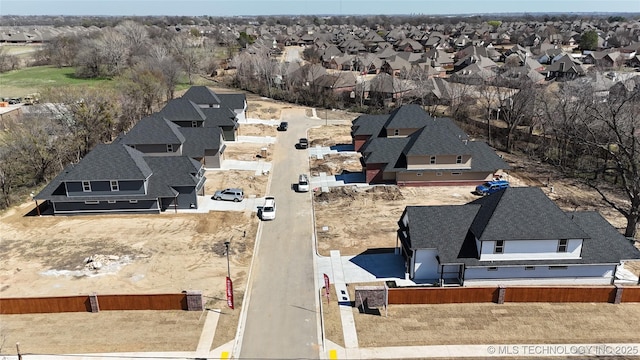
{"x": 618, "y": 298}
{"x": 501, "y": 292}
{"x": 93, "y": 301}
{"x": 194, "y": 300}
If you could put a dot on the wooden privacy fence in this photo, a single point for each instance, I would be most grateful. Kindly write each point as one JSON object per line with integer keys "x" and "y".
{"x": 188, "y": 300}
{"x": 501, "y": 294}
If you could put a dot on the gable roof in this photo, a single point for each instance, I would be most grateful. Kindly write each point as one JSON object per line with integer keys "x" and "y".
{"x": 524, "y": 213}
{"x": 153, "y": 130}
{"x": 110, "y": 162}
{"x": 233, "y": 101}
{"x": 182, "y": 109}
{"x": 430, "y": 227}
{"x": 202, "y": 95}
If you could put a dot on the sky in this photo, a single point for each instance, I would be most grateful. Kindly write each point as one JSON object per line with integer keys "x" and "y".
{"x": 307, "y": 7}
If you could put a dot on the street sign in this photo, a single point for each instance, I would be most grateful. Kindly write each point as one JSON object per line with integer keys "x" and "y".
{"x": 229, "y": 292}
{"x": 326, "y": 286}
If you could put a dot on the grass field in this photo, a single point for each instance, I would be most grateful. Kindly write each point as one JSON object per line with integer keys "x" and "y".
{"x": 18, "y": 83}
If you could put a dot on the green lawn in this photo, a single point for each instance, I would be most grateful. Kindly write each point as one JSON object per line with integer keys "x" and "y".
{"x": 18, "y": 83}
{"x": 29, "y": 80}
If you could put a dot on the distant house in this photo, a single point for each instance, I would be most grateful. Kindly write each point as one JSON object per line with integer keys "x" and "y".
{"x": 205, "y": 98}
{"x": 410, "y": 148}
{"x": 565, "y": 68}
{"x": 119, "y": 179}
{"x": 516, "y": 235}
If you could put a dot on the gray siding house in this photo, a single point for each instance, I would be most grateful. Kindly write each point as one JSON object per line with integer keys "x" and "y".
{"x": 157, "y": 136}
{"x": 116, "y": 178}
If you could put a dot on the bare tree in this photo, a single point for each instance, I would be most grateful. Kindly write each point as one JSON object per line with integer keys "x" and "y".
{"x": 517, "y": 108}
{"x": 187, "y": 53}
{"x": 114, "y": 51}
{"x": 612, "y": 131}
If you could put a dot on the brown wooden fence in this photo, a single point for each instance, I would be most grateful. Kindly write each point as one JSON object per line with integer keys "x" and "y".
{"x": 560, "y": 294}
{"x": 438, "y": 295}
{"x": 442, "y": 295}
{"x": 82, "y": 303}
{"x": 631, "y": 294}
{"x": 44, "y": 305}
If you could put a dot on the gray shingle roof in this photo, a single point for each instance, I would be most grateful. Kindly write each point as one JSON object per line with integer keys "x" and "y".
{"x": 407, "y": 117}
{"x": 182, "y": 110}
{"x": 368, "y": 124}
{"x": 436, "y": 139}
{"x": 202, "y": 95}
{"x": 110, "y": 162}
{"x": 233, "y": 101}
{"x": 514, "y": 214}
{"x": 219, "y": 117}
{"x": 199, "y": 140}
{"x": 523, "y": 213}
{"x": 154, "y": 130}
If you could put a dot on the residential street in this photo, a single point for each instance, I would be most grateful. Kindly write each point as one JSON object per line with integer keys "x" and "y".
{"x": 281, "y": 304}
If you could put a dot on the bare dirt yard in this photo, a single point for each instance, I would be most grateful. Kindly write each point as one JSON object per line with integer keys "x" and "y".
{"x": 140, "y": 254}
{"x": 373, "y": 214}
{"x": 166, "y": 253}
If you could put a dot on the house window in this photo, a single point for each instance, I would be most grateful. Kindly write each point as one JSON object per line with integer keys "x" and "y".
{"x": 558, "y": 268}
{"x": 111, "y": 201}
{"x": 194, "y": 124}
{"x": 562, "y": 245}
{"x": 529, "y": 268}
{"x": 418, "y": 174}
{"x": 396, "y": 132}
{"x": 86, "y": 186}
{"x": 457, "y": 173}
{"x": 459, "y": 159}
{"x": 169, "y": 147}
{"x": 92, "y": 202}
{"x": 492, "y": 268}
{"x": 133, "y": 201}
{"x": 114, "y": 185}
{"x": 432, "y": 160}
{"x": 498, "y": 247}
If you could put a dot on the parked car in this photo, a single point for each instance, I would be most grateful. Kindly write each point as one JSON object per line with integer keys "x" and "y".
{"x": 283, "y": 126}
{"x": 491, "y": 186}
{"x": 231, "y": 194}
{"x": 303, "y": 183}
{"x": 303, "y": 143}
{"x": 269, "y": 208}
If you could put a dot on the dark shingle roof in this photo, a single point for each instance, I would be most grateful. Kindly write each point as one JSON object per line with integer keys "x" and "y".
{"x": 605, "y": 243}
{"x": 233, "y": 101}
{"x": 169, "y": 172}
{"x": 440, "y": 227}
{"x": 202, "y": 95}
{"x": 436, "y": 139}
{"x": 110, "y": 162}
{"x": 219, "y": 117}
{"x": 199, "y": 140}
{"x": 153, "y": 130}
{"x": 182, "y": 110}
{"x": 368, "y": 124}
{"x": 522, "y": 213}
{"x": 407, "y": 117}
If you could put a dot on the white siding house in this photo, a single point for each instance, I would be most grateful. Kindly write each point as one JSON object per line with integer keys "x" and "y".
{"x": 516, "y": 235}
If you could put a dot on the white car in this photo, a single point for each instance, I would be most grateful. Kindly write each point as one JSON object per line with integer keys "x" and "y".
{"x": 269, "y": 208}
{"x": 303, "y": 183}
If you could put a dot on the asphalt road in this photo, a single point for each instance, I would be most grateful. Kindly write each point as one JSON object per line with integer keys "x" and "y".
{"x": 282, "y": 313}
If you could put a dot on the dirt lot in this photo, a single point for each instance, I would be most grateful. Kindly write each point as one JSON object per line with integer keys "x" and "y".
{"x": 44, "y": 256}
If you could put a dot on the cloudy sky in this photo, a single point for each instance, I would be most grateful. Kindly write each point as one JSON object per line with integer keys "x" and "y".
{"x": 307, "y": 7}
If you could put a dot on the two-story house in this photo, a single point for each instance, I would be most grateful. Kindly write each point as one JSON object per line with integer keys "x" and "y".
{"x": 409, "y": 147}
{"x": 157, "y": 136}
{"x": 516, "y": 235}
{"x": 187, "y": 113}
{"x": 116, "y": 178}
{"x": 207, "y": 98}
